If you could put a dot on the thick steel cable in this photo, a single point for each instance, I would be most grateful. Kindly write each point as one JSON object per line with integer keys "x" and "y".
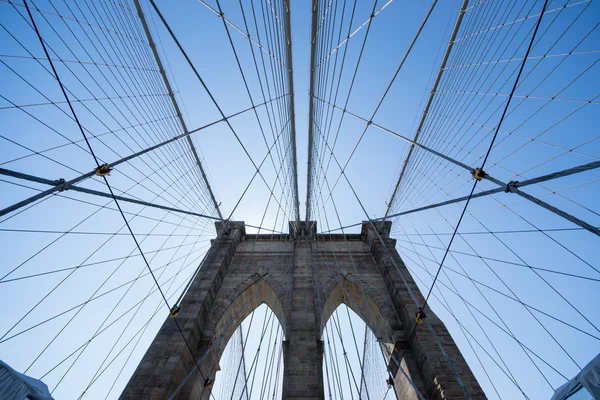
{"x": 105, "y": 179}
{"x": 86, "y": 71}
{"x": 208, "y": 91}
{"x": 69, "y": 117}
{"x": 184, "y": 262}
{"x": 251, "y": 97}
{"x": 491, "y": 145}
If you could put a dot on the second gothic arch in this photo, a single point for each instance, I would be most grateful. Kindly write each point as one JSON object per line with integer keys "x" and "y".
{"x": 368, "y": 302}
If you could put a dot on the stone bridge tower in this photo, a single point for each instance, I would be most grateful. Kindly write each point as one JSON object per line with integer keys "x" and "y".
{"x": 303, "y": 278}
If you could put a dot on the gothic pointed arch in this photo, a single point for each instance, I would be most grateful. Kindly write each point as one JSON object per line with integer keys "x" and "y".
{"x": 368, "y": 303}
{"x": 239, "y": 302}
{"x": 231, "y": 307}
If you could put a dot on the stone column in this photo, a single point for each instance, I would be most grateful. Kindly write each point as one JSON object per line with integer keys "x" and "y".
{"x": 303, "y": 349}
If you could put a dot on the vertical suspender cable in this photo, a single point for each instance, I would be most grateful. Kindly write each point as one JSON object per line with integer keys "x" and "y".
{"x": 459, "y": 19}
{"x": 174, "y": 101}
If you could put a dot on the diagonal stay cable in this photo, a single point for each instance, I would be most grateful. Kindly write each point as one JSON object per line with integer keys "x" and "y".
{"x": 118, "y": 305}
{"x": 214, "y": 101}
{"x": 448, "y": 307}
{"x": 389, "y": 86}
{"x": 61, "y": 185}
{"x": 106, "y": 328}
{"x": 489, "y": 149}
{"x": 246, "y": 85}
{"x": 91, "y": 264}
{"x": 350, "y": 35}
{"x": 430, "y": 100}
{"x": 58, "y": 186}
{"x": 175, "y": 105}
{"x": 411, "y": 293}
{"x": 485, "y": 158}
{"x": 245, "y": 34}
{"x": 229, "y": 319}
{"x": 510, "y": 187}
{"x": 104, "y": 177}
{"x": 313, "y": 122}
{"x": 101, "y": 295}
{"x": 103, "y": 284}
{"x": 257, "y": 172}
{"x": 100, "y": 120}
{"x": 368, "y": 317}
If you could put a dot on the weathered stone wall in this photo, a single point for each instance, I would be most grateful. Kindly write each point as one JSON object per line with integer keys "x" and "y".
{"x": 303, "y": 279}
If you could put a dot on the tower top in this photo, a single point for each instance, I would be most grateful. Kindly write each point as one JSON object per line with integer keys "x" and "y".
{"x": 301, "y": 228}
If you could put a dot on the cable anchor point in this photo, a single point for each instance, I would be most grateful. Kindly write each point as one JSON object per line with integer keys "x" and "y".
{"x": 478, "y": 174}
{"x": 103, "y": 170}
{"x": 208, "y": 383}
{"x": 62, "y": 185}
{"x": 510, "y": 186}
{"x": 174, "y": 311}
{"x": 420, "y": 316}
{"x": 390, "y": 382}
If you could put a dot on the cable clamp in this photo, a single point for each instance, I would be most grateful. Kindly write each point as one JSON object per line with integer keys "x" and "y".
{"x": 103, "y": 170}
{"x": 510, "y": 186}
{"x": 208, "y": 383}
{"x": 390, "y": 382}
{"x": 420, "y": 316}
{"x": 478, "y": 174}
{"x": 174, "y": 311}
{"x": 62, "y": 185}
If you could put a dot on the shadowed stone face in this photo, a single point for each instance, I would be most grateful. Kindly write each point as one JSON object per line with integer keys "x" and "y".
{"x": 303, "y": 278}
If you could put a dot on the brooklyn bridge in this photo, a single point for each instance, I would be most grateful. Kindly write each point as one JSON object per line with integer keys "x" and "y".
{"x": 325, "y": 199}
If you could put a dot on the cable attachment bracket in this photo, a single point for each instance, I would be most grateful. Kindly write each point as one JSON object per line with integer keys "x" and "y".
{"x": 511, "y": 186}
{"x": 478, "y": 174}
{"x": 174, "y": 311}
{"x": 390, "y": 382}
{"x": 208, "y": 383}
{"x": 62, "y": 185}
{"x": 103, "y": 170}
{"x": 420, "y": 316}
